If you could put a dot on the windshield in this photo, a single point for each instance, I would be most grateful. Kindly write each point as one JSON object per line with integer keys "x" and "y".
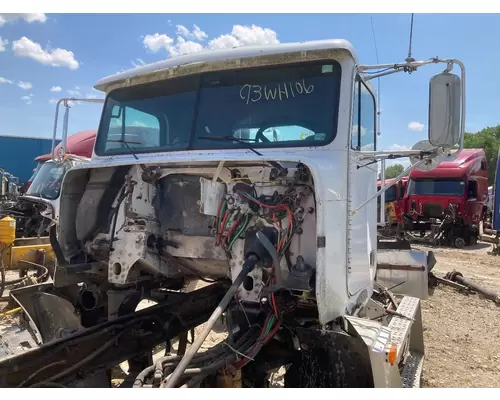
{"x": 284, "y": 106}
{"x": 35, "y": 171}
{"x": 437, "y": 187}
{"x": 390, "y": 194}
{"x": 47, "y": 182}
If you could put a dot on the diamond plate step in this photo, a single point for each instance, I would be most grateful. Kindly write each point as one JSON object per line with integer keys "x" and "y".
{"x": 412, "y": 370}
{"x": 399, "y": 326}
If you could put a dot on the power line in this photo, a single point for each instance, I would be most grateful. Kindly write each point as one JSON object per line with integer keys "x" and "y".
{"x": 374, "y": 40}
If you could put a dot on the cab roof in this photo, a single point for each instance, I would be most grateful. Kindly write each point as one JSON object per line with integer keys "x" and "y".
{"x": 80, "y": 144}
{"x": 220, "y": 55}
{"x": 403, "y": 180}
{"x": 468, "y": 161}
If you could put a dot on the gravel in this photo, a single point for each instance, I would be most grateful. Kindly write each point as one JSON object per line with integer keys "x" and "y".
{"x": 462, "y": 336}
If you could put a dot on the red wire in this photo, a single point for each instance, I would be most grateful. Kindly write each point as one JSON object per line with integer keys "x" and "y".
{"x": 280, "y": 244}
{"x": 221, "y": 229}
{"x": 279, "y": 206}
{"x": 275, "y": 221}
{"x": 223, "y": 224}
{"x": 283, "y": 207}
{"x": 232, "y": 228}
{"x": 275, "y": 307}
{"x": 257, "y": 346}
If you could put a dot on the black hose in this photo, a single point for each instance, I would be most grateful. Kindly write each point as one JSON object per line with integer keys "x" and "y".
{"x": 219, "y": 355}
{"x": 139, "y": 380}
{"x": 2, "y": 273}
{"x": 85, "y": 360}
{"x": 115, "y": 212}
{"x": 62, "y": 346}
{"x": 48, "y": 366}
{"x": 47, "y": 384}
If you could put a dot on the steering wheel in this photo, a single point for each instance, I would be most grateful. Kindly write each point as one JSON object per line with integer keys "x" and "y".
{"x": 260, "y": 136}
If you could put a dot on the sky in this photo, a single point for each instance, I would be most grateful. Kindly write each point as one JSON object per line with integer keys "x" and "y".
{"x": 44, "y": 57}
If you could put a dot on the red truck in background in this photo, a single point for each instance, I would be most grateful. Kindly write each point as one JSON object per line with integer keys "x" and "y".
{"x": 450, "y": 200}
{"x": 80, "y": 144}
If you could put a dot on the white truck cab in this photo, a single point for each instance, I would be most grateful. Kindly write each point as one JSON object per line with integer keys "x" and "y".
{"x": 258, "y": 165}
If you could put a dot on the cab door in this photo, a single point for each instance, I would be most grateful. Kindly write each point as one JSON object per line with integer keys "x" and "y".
{"x": 362, "y": 242}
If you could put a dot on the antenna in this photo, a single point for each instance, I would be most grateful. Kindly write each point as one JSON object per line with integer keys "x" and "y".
{"x": 378, "y": 79}
{"x": 410, "y": 58}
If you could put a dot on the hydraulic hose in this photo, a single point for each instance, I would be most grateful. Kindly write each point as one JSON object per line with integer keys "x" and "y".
{"x": 193, "y": 349}
{"x": 221, "y": 352}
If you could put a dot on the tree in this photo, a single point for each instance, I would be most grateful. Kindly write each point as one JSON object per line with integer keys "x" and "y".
{"x": 393, "y": 171}
{"x": 489, "y": 140}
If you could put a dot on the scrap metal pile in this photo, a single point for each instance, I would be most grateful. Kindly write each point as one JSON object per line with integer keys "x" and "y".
{"x": 456, "y": 280}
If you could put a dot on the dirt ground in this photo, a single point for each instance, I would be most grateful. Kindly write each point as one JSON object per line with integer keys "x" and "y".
{"x": 461, "y": 332}
{"x": 462, "y": 335}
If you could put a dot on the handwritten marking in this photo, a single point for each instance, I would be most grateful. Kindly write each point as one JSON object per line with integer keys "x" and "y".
{"x": 282, "y": 91}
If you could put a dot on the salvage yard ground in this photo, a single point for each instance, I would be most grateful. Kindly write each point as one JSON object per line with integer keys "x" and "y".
{"x": 462, "y": 332}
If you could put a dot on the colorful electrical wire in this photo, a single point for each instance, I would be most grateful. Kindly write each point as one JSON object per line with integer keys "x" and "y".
{"x": 267, "y": 333}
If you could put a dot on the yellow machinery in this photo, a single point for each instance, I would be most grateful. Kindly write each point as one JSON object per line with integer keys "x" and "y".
{"x": 22, "y": 253}
{"x": 390, "y": 213}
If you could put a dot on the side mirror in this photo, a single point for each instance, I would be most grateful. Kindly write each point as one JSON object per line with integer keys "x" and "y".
{"x": 472, "y": 190}
{"x": 115, "y": 114}
{"x": 444, "y": 110}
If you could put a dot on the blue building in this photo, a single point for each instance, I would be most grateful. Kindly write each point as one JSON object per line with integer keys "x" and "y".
{"x": 17, "y": 154}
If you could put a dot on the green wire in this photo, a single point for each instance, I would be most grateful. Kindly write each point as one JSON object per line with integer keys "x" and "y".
{"x": 240, "y": 231}
{"x": 249, "y": 195}
{"x": 227, "y": 221}
{"x": 269, "y": 325}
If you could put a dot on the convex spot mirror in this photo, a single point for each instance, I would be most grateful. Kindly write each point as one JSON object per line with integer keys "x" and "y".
{"x": 444, "y": 110}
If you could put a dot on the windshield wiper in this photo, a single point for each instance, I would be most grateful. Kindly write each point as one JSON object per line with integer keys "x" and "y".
{"x": 231, "y": 139}
{"x": 127, "y": 144}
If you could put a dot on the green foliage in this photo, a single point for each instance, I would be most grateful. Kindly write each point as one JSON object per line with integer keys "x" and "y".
{"x": 489, "y": 140}
{"x": 393, "y": 171}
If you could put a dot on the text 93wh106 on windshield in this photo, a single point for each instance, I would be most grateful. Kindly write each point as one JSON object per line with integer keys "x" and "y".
{"x": 278, "y": 91}
{"x": 298, "y": 103}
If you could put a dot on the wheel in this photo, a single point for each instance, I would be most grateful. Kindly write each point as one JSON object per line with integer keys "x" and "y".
{"x": 459, "y": 243}
{"x": 317, "y": 364}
